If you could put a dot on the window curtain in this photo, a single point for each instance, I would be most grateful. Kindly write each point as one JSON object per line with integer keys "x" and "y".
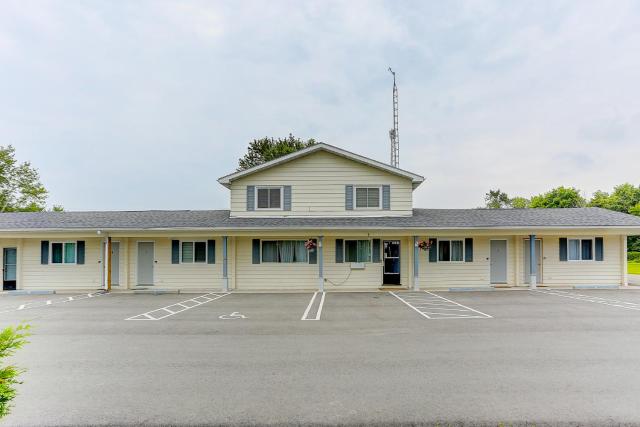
{"x": 456, "y": 250}
{"x": 300, "y": 251}
{"x": 69, "y": 253}
{"x": 574, "y": 249}
{"x": 286, "y": 250}
{"x": 270, "y": 251}
{"x": 364, "y": 251}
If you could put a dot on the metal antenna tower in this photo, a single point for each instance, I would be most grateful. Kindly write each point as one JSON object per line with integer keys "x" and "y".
{"x": 393, "y": 133}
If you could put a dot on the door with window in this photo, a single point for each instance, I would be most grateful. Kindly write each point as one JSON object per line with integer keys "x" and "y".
{"x": 527, "y": 261}
{"x": 391, "y": 258}
{"x": 145, "y": 263}
{"x": 9, "y": 268}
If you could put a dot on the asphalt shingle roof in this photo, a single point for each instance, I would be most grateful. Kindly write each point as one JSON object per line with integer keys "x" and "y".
{"x": 422, "y": 218}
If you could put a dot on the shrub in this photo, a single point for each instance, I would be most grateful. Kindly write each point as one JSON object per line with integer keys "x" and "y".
{"x": 11, "y": 339}
{"x": 633, "y": 256}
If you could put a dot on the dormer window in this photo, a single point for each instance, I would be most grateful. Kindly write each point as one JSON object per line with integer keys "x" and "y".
{"x": 368, "y": 198}
{"x": 269, "y": 198}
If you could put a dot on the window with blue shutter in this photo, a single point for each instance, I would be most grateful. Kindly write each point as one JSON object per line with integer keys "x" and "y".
{"x": 255, "y": 251}
{"x": 44, "y": 252}
{"x": 386, "y": 197}
{"x": 251, "y": 198}
{"x": 175, "y": 252}
{"x": 80, "y": 254}
{"x": 433, "y": 250}
{"x": 339, "y": 251}
{"x": 211, "y": 251}
{"x": 563, "y": 249}
{"x": 286, "y": 199}
{"x": 348, "y": 197}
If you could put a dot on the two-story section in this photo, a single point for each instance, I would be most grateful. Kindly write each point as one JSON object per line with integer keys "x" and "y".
{"x": 323, "y": 181}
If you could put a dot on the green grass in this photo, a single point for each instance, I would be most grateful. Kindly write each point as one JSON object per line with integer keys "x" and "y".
{"x": 634, "y": 267}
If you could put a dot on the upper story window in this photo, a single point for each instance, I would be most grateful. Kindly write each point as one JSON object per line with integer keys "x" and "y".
{"x": 580, "y": 249}
{"x": 63, "y": 253}
{"x": 368, "y": 197}
{"x": 269, "y": 197}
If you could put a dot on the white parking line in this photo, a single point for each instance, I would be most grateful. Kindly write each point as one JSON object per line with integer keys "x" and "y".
{"x": 318, "y": 312}
{"x": 434, "y": 306}
{"x": 39, "y": 304}
{"x": 178, "y": 307}
{"x": 589, "y": 298}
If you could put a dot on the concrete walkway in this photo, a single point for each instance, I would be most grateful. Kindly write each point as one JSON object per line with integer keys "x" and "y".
{"x": 634, "y": 279}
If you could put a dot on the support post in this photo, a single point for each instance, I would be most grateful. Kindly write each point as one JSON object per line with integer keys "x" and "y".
{"x": 533, "y": 261}
{"x": 624, "y": 261}
{"x": 320, "y": 250}
{"x": 225, "y": 266}
{"x": 416, "y": 263}
{"x": 109, "y": 264}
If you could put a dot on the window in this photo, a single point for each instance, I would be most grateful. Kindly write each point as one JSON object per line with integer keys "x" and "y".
{"x": 357, "y": 250}
{"x": 284, "y": 251}
{"x": 194, "y": 252}
{"x": 63, "y": 253}
{"x": 450, "y": 250}
{"x": 269, "y": 198}
{"x": 367, "y": 197}
{"x": 580, "y": 249}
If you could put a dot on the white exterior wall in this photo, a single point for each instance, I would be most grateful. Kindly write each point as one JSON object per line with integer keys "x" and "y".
{"x": 176, "y": 276}
{"x": 60, "y": 276}
{"x": 318, "y": 186}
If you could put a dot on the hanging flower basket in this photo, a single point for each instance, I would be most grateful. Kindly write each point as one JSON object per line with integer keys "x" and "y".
{"x": 310, "y": 244}
{"x": 424, "y": 245}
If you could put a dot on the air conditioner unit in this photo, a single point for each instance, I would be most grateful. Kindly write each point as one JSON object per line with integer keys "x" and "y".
{"x": 357, "y": 265}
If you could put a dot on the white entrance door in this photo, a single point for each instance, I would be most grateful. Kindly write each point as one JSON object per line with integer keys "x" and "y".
{"x": 115, "y": 263}
{"x": 498, "y": 261}
{"x": 527, "y": 261}
{"x": 145, "y": 263}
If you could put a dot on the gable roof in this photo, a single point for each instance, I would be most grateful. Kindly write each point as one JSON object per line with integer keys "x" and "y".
{"x": 415, "y": 178}
{"x": 449, "y": 219}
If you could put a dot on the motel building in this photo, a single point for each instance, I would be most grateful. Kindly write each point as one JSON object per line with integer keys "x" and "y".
{"x": 321, "y": 218}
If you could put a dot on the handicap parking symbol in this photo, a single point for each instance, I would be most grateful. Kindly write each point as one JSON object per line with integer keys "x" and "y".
{"x": 232, "y": 316}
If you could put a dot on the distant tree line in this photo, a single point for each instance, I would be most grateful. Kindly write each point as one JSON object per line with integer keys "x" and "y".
{"x": 624, "y": 198}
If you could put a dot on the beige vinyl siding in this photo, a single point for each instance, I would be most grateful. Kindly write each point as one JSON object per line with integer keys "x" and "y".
{"x": 267, "y": 276}
{"x": 569, "y": 273}
{"x": 60, "y": 276}
{"x": 465, "y": 274}
{"x": 318, "y": 187}
{"x": 304, "y": 276}
{"x": 177, "y": 276}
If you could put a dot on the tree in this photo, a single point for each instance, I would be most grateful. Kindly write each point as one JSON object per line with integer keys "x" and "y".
{"x": 560, "y": 197}
{"x": 11, "y": 339}
{"x": 265, "y": 149}
{"x": 519, "y": 202}
{"x": 624, "y": 198}
{"x": 497, "y": 199}
{"x": 20, "y": 186}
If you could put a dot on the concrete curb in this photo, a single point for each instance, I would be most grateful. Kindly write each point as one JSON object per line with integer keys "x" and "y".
{"x": 30, "y": 292}
{"x": 156, "y": 291}
{"x": 471, "y": 289}
{"x": 596, "y": 287}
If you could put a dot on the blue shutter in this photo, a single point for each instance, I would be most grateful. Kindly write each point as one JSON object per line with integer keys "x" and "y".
{"x": 251, "y": 197}
{"x": 255, "y": 251}
{"x": 468, "y": 249}
{"x": 313, "y": 254}
{"x": 80, "y": 252}
{"x": 44, "y": 252}
{"x": 211, "y": 251}
{"x": 599, "y": 249}
{"x": 339, "y": 251}
{"x": 433, "y": 250}
{"x": 175, "y": 252}
{"x": 386, "y": 197}
{"x": 563, "y": 249}
{"x": 287, "y": 198}
{"x": 348, "y": 197}
{"x": 375, "y": 251}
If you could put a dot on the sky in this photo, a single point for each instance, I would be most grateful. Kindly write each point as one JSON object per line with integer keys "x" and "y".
{"x": 127, "y": 105}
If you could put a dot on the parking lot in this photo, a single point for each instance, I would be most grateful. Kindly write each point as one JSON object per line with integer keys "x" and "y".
{"x": 547, "y": 356}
